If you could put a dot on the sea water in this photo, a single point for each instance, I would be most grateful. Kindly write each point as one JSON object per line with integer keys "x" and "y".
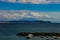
{"x": 8, "y": 31}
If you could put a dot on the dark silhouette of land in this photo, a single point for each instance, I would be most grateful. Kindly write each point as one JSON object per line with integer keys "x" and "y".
{"x": 36, "y": 21}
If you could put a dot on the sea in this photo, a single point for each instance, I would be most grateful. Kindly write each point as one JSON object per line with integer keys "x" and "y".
{"x": 8, "y": 31}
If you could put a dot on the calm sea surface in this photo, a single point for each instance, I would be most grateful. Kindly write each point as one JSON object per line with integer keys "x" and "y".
{"x": 8, "y": 31}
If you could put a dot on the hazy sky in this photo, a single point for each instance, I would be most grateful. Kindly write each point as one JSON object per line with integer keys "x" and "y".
{"x": 36, "y": 9}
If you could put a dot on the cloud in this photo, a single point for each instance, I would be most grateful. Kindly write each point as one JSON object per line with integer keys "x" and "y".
{"x": 11, "y": 0}
{"x": 34, "y": 1}
{"x": 24, "y": 14}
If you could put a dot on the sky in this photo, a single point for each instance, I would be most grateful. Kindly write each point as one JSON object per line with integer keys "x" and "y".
{"x": 48, "y": 10}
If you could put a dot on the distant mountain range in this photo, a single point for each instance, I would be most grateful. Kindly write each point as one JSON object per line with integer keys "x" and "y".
{"x": 26, "y": 21}
{"x": 25, "y": 18}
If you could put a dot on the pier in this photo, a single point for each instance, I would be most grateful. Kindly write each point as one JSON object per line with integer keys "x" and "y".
{"x": 30, "y": 35}
{"x": 38, "y": 34}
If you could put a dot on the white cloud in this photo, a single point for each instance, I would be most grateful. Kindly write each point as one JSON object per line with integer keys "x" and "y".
{"x": 24, "y": 14}
{"x": 34, "y": 1}
{"x": 11, "y": 0}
